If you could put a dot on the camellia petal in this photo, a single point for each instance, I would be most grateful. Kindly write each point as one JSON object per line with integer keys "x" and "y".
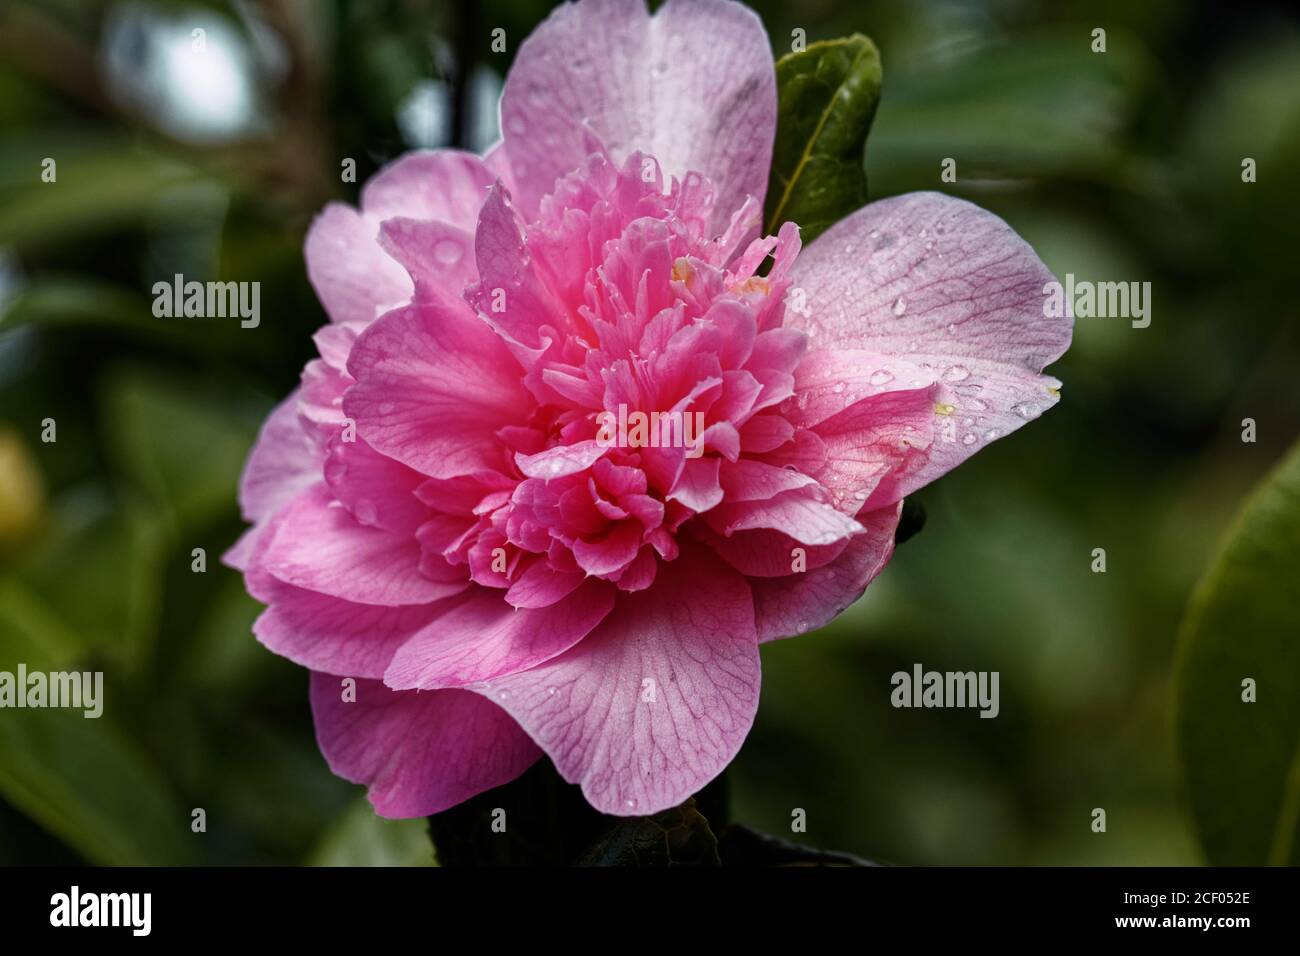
{"x": 464, "y": 745}
{"x": 656, "y": 700}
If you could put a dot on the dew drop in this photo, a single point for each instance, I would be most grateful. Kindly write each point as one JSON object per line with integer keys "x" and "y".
{"x": 839, "y": 387}
{"x": 991, "y": 434}
{"x": 958, "y": 373}
{"x": 1026, "y": 410}
{"x": 899, "y": 306}
{"x": 881, "y": 376}
{"x": 448, "y": 252}
{"x": 968, "y": 439}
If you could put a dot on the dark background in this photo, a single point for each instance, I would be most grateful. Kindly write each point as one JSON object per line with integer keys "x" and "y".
{"x": 1122, "y": 166}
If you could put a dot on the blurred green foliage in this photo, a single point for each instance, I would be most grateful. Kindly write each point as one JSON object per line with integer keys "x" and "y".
{"x": 1117, "y": 166}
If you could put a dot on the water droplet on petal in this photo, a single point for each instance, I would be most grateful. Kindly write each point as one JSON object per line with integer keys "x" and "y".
{"x": 839, "y": 387}
{"x": 1026, "y": 410}
{"x": 968, "y": 439}
{"x": 448, "y": 252}
{"x": 957, "y": 373}
{"x": 881, "y": 376}
{"x": 991, "y": 434}
{"x": 899, "y": 306}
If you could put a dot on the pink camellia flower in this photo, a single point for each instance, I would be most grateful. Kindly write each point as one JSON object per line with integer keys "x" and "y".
{"x": 439, "y": 511}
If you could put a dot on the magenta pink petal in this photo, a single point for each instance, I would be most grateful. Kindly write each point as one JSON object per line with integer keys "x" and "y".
{"x": 319, "y": 546}
{"x": 797, "y": 603}
{"x": 433, "y": 385}
{"x": 483, "y": 637}
{"x": 417, "y": 752}
{"x": 652, "y": 705}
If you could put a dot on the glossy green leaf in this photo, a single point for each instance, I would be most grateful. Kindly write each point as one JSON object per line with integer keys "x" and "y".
{"x": 827, "y": 97}
{"x": 1242, "y": 759}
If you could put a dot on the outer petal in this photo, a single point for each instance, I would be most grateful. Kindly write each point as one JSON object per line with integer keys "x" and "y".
{"x": 319, "y": 546}
{"x": 484, "y": 637}
{"x": 443, "y": 185}
{"x": 653, "y": 703}
{"x": 417, "y": 752}
{"x": 946, "y": 286}
{"x": 798, "y": 603}
{"x": 280, "y": 465}
{"x": 336, "y": 636}
{"x": 354, "y": 278}
{"x": 433, "y": 386}
{"x": 694, "y": 86}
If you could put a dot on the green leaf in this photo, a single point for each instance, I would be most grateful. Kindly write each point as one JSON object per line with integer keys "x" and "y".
{"x": 827, "y": 96}
{"x": 360, "y": 838}
{"x": 101, "y": 185}
{"x": 88, "y": 784}
{"x": 96, "y": 571}
{"x": 183, "y": 451}
{"x": 1242, "y": 760}
{"x": 1038, "y": 104}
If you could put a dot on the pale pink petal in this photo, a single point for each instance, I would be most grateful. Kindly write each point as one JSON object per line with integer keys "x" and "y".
{"x": 798, "y": 514}
{"x": 439, "y": 257}
{"x": 417, "y": 752}
{"x": 483, "y": 637}
{"x": 280, "y": 465}
{"x": 319, "y": 546}
{"x": 694, "y": 87}
{"x": 656, "y": 701}
{"x": 335, "y": 636}
{"x": 561, "y": 460}
{"x": 942, "y": 284}
{"x": 797, "y": 603}
{"x": 354, "y": 279}
{"x": 443, "y": 185}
